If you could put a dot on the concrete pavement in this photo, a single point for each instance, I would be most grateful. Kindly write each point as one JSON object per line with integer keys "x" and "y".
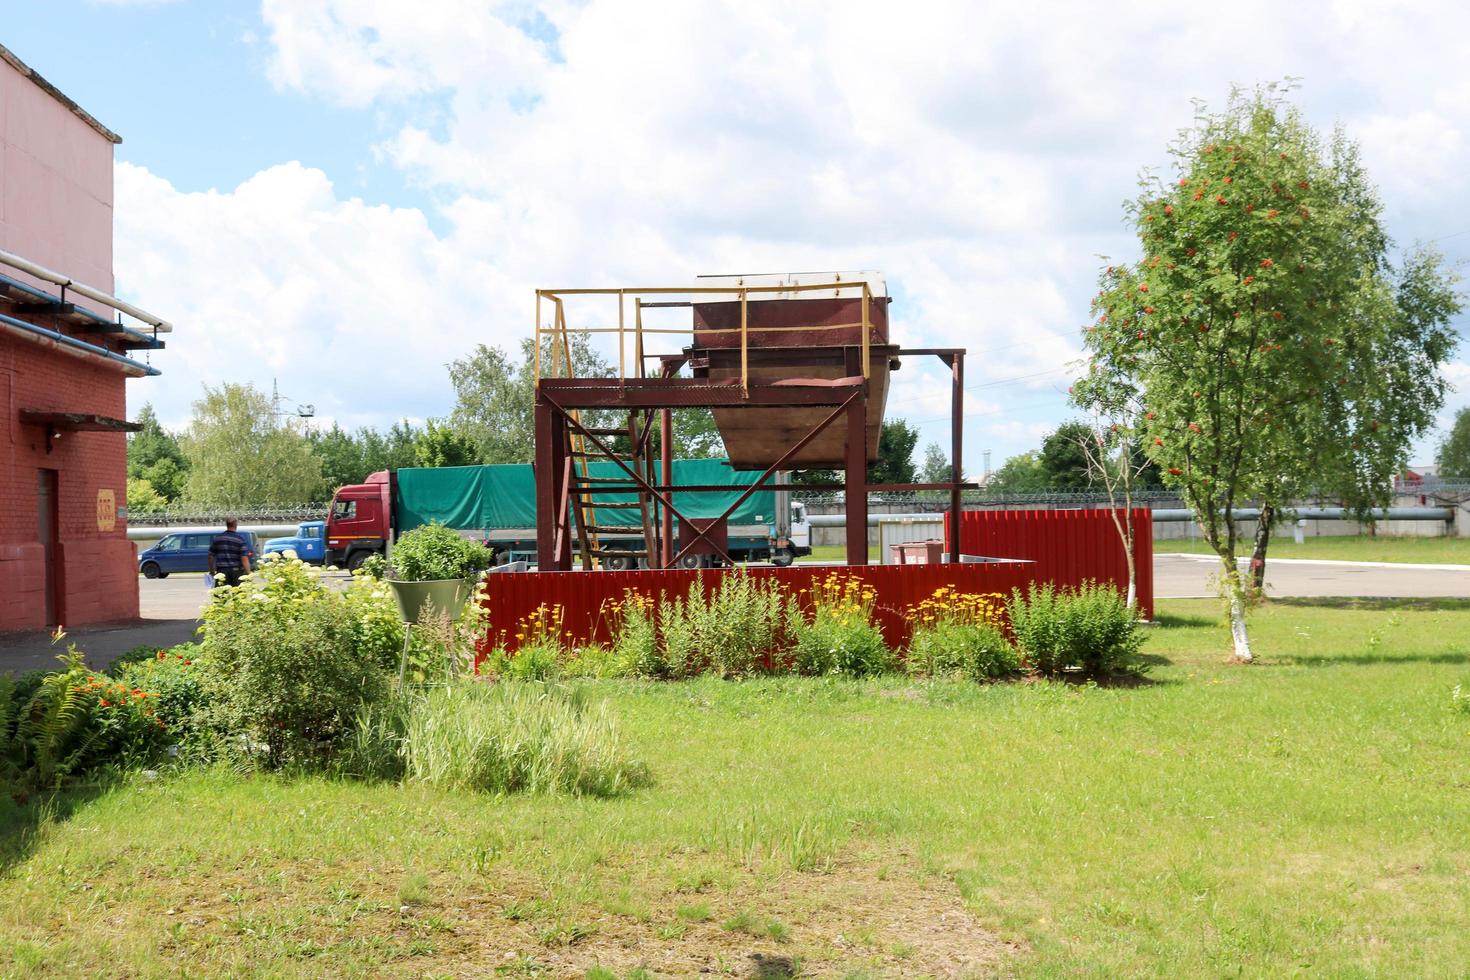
{"x": 1185, "y": 576}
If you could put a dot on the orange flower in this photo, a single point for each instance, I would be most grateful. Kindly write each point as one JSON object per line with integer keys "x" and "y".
{"x": 1267, "y": 263}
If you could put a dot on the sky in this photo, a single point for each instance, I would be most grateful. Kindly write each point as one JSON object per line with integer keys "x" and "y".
{"x": 342, "y": 196}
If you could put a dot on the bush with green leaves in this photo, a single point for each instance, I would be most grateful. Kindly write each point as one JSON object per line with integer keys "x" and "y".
{"x": 1089, "y": 629}
{"x": 837, "y": 634}
{"x": 282, "y": 671}
{"x": 433, "y": 552}
{"x": 515, "y": 737}
{"x": 172, "y": 678}
{"x": 960, "y": 634}
{"x": 72, "y": 722}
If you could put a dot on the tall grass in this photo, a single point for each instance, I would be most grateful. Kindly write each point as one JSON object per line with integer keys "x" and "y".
{"x": 517, "y": 737}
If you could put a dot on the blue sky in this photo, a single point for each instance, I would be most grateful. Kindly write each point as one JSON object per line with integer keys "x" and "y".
{"x": 345, "y": 196}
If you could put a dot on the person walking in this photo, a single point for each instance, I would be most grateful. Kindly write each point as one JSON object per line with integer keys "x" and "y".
{"x": 229, "y": 554}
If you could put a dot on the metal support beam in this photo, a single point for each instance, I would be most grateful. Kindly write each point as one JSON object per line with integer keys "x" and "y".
{"x": 855, "y": 496}
{"x": 957, "y": 436}
{"x": 856, "y": 398}
{"x": 666, "y": 477}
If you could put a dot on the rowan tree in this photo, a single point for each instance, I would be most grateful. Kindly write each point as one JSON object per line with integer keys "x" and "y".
{"x": 1272, "y": 339}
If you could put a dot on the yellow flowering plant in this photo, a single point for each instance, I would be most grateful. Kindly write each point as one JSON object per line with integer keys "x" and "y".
{"x": 960, "y": 634}
{"x": 837, "y": 634}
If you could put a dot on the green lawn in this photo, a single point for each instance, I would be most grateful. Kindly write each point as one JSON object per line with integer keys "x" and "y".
{"x": 1383, "y": 547}
{"x": 1307, "y": 815}
{"x": 836, "y": 552}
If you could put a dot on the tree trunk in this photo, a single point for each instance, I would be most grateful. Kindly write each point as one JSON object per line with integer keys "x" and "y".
{"x": 1263, "y": 540}
{"x": 1238, "y": 635}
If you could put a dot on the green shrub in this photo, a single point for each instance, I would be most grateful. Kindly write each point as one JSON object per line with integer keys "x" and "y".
{"x": 516, "y": 737}
{"x": 979, "y": 652}
{"x": 434, "y": 551}
{"x": 959, "y": 634}
{"x": 1460, "y": 701}
{"x": 1090, "y": 629}
{"x": 733, "y": 630}
{"x": 537, "y": 661}
{"x": 173, "y": 679}
{"x": 838, "y": 635}
{"x": 71, "y": 722}
{"x": 597, "y": 660}
{"x": 136, "y": 655}
{"x": 635, "y": 651}
{"x": 281, "y": 670}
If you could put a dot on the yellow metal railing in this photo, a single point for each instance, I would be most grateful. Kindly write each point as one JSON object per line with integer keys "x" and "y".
{"x": 560, "y": 330}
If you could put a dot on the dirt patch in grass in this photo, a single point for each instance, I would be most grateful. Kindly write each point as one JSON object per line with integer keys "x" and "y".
{"x": 854, "y": 919}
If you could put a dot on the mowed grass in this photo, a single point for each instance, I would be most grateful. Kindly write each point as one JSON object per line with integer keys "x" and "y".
{"x": 1307, "y": 815}
{"x": 1362, "y": 547}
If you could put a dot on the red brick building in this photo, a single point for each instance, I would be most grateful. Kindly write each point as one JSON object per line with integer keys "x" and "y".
{"x": 65, "y": 356}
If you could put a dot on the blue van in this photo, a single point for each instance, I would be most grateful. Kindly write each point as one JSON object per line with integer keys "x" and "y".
{"x": 185, "y": 552}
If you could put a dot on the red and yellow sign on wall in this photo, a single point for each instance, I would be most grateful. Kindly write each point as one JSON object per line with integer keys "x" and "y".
{"x": 106, "y": 510}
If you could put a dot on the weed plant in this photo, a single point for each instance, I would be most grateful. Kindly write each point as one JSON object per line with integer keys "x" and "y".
{"x": 958, "y": 634}
{"x": 837, "y": 635}
{"x": 1090, "y": 629}
{"x": 516, "y": 737}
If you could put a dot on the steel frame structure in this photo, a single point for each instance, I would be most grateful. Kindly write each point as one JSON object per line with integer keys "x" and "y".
{"x": 560, "y": 400}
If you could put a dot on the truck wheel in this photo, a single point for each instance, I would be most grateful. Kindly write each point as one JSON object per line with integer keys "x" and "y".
{"x": 151, "y": 570}
{"x": 617, "y": 563}
{"x": 692, "y": 561}
{"x": 782, "y": 557}
{"x": 356, "y": 559}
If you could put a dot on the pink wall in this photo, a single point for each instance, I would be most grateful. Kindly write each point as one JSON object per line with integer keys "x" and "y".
{"x": 56, "y": 210}
{"x": 56, "y": 175}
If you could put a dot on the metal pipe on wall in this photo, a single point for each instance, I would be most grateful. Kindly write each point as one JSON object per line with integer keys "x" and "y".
{"x": 55, "y": 340}
{"x": 82, "y": 289}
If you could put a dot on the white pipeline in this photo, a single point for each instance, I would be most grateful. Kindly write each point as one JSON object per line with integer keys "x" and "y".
{"x": 82, "y": 289}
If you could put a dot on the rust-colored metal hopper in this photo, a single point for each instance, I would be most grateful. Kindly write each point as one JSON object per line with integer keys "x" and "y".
{"x": 794, "y": 337}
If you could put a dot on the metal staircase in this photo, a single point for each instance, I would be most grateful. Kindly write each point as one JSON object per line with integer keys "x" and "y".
{"x": 584, "y": 440}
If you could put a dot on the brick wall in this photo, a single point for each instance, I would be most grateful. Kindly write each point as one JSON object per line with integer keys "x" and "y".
{"x": 97, "y": 569}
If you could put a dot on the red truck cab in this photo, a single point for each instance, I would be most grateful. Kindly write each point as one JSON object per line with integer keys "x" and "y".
{"x": 360, "y": 522}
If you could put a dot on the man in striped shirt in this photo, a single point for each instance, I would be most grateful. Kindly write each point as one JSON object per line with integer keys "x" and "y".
{"x": 229, "y": 554}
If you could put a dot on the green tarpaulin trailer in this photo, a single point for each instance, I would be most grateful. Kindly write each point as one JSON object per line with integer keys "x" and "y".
{"x": 503, "y": 498}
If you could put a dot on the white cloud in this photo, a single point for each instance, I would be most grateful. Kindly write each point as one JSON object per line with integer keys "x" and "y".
{"x": 977, "y": 153}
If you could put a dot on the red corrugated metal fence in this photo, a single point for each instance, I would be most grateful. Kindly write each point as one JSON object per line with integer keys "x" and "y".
{"x": 1069, "y": 547}
{"x": 585, "y": 596}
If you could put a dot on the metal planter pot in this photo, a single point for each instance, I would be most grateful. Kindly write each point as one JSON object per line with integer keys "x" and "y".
{"x": 447, "y": 595}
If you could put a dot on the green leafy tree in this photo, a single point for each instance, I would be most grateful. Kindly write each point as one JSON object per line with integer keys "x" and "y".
{"x": 340, "y": 454}
{"x": 1022, "y": 473}
{"x": 1063, "y": 458}
{"x": 1454, "y": 452}
{"x": 936, "y": 467}
{"x": 154, "y": 455}
{"x": 495, "y": 397}
{"x": 896, "y": 443}
{"x": 1270, "y": 340}
{"x": 393, "y": 450}
{"x": 143, "y": 499}
{"x": 241, "y": 455}
{"x": 440, "y": 445}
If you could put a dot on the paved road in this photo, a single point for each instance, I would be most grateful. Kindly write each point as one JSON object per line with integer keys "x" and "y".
{"x": 1181, "y": 576}
{"x": 171, "y": 606}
